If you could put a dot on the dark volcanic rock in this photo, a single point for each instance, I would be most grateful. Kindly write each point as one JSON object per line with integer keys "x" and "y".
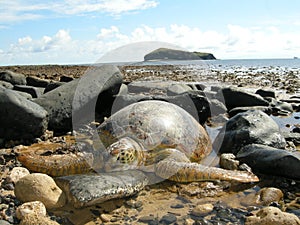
{"x": 238, "y": 97}
{"x": 13, "y": 78}
{"x": 19, "y": 117}
{"x": 65, "y": 79}
{"x": 251, "y": 127}
{"x": 237, "y": 110}
{"x": 33, "y": 91}
{"x": 85, "y": 190}
{"x": 269, "y": 160}
{"x": 265, "y": 93}
{"x": 79, "y": 98}
{"x": 37, "y": 82}
{"x": 51, "y": 86}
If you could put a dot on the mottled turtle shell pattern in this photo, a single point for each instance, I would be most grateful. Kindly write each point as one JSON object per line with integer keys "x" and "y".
{"x": 158, "y": 125}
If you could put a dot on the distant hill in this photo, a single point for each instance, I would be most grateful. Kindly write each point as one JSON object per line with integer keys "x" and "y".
{"x": 171, "y": 54}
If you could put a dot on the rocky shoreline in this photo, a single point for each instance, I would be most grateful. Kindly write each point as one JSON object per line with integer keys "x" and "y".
{"x": 37, "y": 106}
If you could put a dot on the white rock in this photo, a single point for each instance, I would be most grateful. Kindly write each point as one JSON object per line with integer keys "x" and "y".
{"x": 40, "y": 187}
{"x": 17, "y": 173}
{"x": 272, "y": 216}
{"x": 203, "y": 209}
{"x": 35, "y": 207}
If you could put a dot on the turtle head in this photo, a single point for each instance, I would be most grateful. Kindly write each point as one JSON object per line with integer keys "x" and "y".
{"x": 123, "y": 154}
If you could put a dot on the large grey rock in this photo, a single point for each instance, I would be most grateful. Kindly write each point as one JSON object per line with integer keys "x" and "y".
{"x": 19, "y": 117}
{"x": 12, "y": 77}
{"x": 269, "y": 160}
{"x": 85, "y": 190}
{"x": 238, "y": 97}
{"x": 251, "y": 127}
{"x": 76, "y": 101}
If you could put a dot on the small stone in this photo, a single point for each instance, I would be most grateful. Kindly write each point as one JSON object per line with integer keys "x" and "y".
{"x": 105, "y": 217}
{"x": 177, "y": 206}
{"x": 266, "y": 196}
{"x": 168, "y": 219}
{"x": 147, "y": 219}
{"x": 17, "y": 173}
{"x": 134, "y": 204}
{"x": 40, "y": 187}
{"x": 272, "y": 216}
{"x": 189, "y": 221}
{"x": 31, "y": 208}
{"x": 227, "y": 161}
{"x": 202, "y": 210}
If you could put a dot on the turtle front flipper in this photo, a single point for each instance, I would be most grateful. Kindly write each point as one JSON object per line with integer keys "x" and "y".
{"x": 183, "y": 171}
{"x": 58, "y": 165}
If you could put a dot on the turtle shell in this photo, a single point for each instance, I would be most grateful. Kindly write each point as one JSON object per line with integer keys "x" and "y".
{"x": 157, "y": 125}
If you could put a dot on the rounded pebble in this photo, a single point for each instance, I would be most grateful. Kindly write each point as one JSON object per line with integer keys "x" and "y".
{"x": 147, "y": 219}
{"x": 268, "y": 195}
{"x": 105, "y": 217}
{"x": 201, "y": 210}
{"x": 40, "y": 187}
{"x": 168, "y": 219}
{"x": 31, "y": 208}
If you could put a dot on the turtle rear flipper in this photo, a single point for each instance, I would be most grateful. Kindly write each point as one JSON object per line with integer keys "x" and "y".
{"x": 188, "y": 172}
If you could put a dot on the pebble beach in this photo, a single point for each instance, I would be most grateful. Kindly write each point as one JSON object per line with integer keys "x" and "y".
{"x": 271, "y": 90}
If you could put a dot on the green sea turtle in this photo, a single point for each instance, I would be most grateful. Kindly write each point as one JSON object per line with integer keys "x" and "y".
{"x": 152, "y": 136}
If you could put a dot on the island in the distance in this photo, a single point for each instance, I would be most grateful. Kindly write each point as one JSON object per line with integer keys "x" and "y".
{"x": 172, "y": 54}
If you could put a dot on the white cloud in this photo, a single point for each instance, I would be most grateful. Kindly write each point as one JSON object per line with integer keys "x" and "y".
{"x": 236, "y": 42}
{"x": 20, "y": 10}
{"x": 110, "y": 6}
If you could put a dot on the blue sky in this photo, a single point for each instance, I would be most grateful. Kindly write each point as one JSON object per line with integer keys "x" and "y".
{"x": 85, "y": 31}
